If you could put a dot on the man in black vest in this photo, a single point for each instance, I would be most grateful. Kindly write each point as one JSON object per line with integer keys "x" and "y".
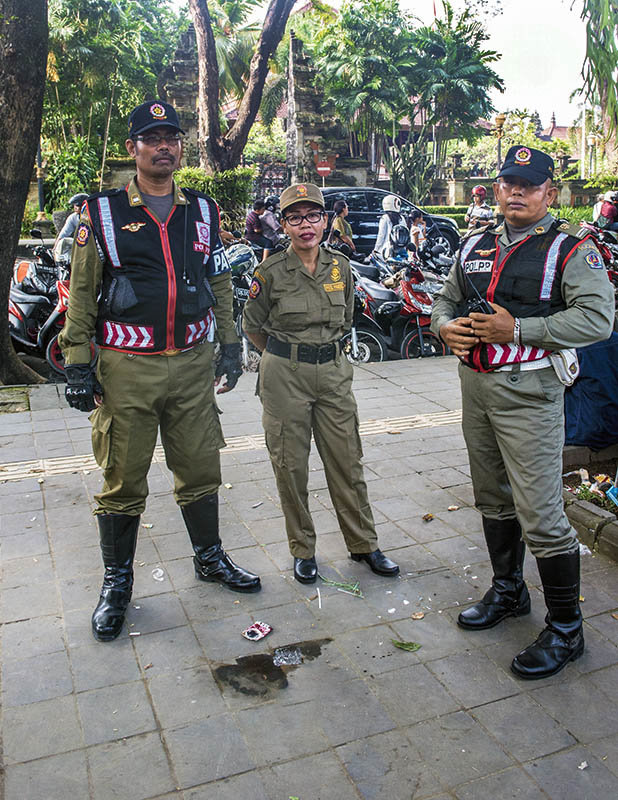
{"x": 151, "y": 283}
{"x": 546, "y": 290}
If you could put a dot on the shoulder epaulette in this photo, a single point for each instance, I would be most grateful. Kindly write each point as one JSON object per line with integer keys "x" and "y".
{"x": 333, "y": 251}
{"x": 274, "y": 259}
{"x": 569, "y": 228}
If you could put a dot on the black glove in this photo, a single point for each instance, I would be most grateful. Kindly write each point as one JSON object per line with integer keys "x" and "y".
{"x": 228, "y": 364}
{"x": 82, "y": 385}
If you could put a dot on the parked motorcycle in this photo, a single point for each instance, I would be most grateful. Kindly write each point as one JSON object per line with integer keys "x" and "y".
{"x": 38, "y": 303}
{"x": 243, "y": 261}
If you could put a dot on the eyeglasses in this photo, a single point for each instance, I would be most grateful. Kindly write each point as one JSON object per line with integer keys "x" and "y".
{"x": 312, "y": 217}
{"x": 155, "y": 139}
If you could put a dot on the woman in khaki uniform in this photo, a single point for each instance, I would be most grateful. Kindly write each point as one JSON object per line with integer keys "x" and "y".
{"x": 300, "y": 303}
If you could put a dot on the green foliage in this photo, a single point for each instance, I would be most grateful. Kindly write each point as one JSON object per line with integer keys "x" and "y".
{"x": 599, "y": 69}
{"x": 573, "y": 214}
{"x": 410, "y": 167}
{"x": 447, "y": 210}
{"x": 232, "y": 189}
{"x": 604, "y": 181}
{"x": 70, "y": 169}
{"x": 98, "y": 48}
{"x": 265, "y": 145}
{"x": 29, "y": 219}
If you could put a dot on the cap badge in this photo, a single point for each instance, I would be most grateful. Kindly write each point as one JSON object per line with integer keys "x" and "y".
{"x": 301, "y": 191}
{"x": 335, "y": 274}
{"x": 133, "y": 226}
{"x": 523, "y": 156}
{"x": 157, "y": 111}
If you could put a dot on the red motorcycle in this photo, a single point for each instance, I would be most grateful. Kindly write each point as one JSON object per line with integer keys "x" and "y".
{"x": 607, "y": 244}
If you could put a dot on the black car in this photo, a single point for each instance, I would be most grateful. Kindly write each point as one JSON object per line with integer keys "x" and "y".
{"x": 365, "y": 209}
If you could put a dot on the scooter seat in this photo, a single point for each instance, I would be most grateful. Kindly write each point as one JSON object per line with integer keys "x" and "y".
{"x": 17, "y": 295}
{"x": 379, "y": 292}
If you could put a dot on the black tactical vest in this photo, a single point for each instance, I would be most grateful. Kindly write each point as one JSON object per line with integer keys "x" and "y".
{"x": 156, "y": 295}
{"x": 526, "y": 280}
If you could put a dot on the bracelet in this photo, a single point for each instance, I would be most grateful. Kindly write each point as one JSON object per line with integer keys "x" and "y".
{"x": 517, "y": 332}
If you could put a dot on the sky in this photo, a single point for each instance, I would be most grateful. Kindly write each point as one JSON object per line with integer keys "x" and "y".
{"x": 542, "y": 42}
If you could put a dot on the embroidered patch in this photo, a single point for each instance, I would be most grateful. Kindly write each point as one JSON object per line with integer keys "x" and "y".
{"x": 82, "y": 236}
{"x": 133, "y": 226}
{"x": 259, "y": 276}
{"x": 157, "y": 111}
{"x": 301, "y": 191}
{"x": 594, "y": 261}
{"x": 523, "y": 156}
{"x": 334, "y": 287}
{"x": 255, "y": 289}
{"x": 335, "y": 274}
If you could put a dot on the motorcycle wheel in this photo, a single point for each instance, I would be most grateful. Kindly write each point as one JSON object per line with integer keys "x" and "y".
{"x": 371, "y": 347}
{"x": 411, "y": 346}
{"x": 55, "y": 359}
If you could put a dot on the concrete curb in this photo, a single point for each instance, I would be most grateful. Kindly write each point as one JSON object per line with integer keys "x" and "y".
{"x": 596, "y": 527}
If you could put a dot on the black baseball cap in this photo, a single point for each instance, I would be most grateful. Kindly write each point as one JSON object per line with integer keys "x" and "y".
{"x": 153, "y": 114}
{"x": 526, "y": 162}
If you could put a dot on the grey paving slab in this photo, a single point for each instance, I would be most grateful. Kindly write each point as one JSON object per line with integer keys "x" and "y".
{"x": 191, "y": 709}
{"x": 137, "y": 767}
{"x": 54, "y": 778}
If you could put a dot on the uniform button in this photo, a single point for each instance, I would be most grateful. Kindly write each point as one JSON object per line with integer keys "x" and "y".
{"x": 513, "y": 378}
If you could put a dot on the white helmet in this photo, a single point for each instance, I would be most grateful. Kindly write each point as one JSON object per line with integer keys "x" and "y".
{"x": 391, "y": 203}
{"x": 609, "y": 196}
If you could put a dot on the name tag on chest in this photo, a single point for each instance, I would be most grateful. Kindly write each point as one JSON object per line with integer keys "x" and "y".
{"x": 479, "y": 265}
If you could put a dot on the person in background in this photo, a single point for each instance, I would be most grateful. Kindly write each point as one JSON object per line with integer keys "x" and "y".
{"x": 596, "y": 209}
{"x": 253, "y": 227}
{"x": 392, "y": 216}
{"x": 72, "y": 221}
{"x": 300, "y": 303}
{"x": 271, "y": 227}
{"x": 418, "y": 228}
{"x": 343, "y": 227}
{"x": 479, "y": 213}
{"x": 608, "y": 218}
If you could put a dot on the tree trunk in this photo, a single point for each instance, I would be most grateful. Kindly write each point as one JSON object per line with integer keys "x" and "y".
{"x": 107, "y": 122}
{"x": 220, "y": 151}
{"x": 23, "y": 58}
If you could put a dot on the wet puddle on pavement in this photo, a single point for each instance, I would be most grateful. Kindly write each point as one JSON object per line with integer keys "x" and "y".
{"x": 265, "y": 674}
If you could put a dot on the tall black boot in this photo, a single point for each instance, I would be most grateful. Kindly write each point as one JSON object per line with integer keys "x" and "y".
{"x": 508, "y": 596}
{"x": 118, "y": 535}
{"x": 211, "y": 561}
{"x": 563, "y": 638}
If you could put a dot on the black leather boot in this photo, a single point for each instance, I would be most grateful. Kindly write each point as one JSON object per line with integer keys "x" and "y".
{"x": 118, "y": 535}
{"x": 508, "y": 596}
{"x": 563, "y": 638}
{"x": 211, "y": 561}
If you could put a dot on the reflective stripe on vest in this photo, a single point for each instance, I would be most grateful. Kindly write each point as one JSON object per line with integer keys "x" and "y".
{"x": 109, "y": 235}
{"x": 551, "y": 265}
{"x": 468, "y": 247}
{"x": 118, "y": 334}
{"x": 196, "y": 330}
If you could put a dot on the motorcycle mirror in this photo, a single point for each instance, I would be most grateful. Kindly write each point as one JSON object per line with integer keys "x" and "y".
{"x": 36, "y": 233}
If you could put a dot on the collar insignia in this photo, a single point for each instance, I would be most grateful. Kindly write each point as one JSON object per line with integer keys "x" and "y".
{"x": 135, "y": 199}
{"x": 133, "y": 226}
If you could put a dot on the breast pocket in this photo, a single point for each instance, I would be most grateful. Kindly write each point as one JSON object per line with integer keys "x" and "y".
{"x": 336, "y": 309}
{"x": 292, "y": 312}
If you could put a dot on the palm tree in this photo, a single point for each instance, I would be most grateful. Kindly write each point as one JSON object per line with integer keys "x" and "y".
{"x": 599, "y": 68}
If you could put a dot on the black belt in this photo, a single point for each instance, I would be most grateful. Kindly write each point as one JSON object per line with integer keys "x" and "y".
{"x": 310, "y": 353}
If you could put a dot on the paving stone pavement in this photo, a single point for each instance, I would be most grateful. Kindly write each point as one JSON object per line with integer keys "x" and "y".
{"x": 181, "y": 706}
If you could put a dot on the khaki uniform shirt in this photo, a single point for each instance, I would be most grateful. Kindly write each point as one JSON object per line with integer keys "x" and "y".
{"x": 86, "y": 279}
{"x": 587, "y": 292}
{"x": 288, "y": 303}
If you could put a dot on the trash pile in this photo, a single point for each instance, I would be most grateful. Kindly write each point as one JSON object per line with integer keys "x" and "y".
{"x": 599, "y": 489}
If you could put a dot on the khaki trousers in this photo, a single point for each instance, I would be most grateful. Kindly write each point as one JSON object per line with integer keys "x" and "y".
{"x": 513, "y": 424}
{"x": 300, "y": 399}
{"x": 145, "y": 393}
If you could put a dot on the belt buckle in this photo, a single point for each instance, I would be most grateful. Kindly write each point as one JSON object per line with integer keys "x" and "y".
{"x": 171, "y": 352}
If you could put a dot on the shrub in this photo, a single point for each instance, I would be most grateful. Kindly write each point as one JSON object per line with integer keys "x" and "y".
{"x": 232, "y": 189}
{"x": 29, "y": 219}
{"x": 70, "y": 170}
{"x": 574, "y": 214}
